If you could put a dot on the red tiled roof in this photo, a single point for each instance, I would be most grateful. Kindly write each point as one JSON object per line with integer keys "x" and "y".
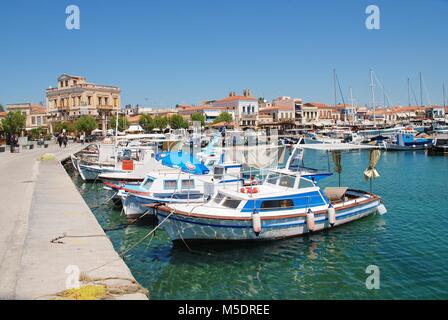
{"x": 233, "y": 98}
{"x": 37, "y": 109}
{"x": 317, "y": 104}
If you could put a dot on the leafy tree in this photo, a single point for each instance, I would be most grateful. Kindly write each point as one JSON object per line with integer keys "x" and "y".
{"x": 36, "y": 132}
{"x": 223, "y": 117}
{"x": 59, "y": 127}
{"x": 198, "y": 117}
{"x": 160, "y": 122}
{"x": 2, "y": 109}
{"x": 86, "y": 124}
{"x": 14, "y": 122}
{"x": 123, "y": 123}
{"x": 177, "y": 122}
{"x": 146, "y": 122}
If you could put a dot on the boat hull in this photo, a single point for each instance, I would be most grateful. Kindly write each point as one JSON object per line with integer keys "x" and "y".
{"x": 184, "y": 227}
{"x": 91, "y": 173}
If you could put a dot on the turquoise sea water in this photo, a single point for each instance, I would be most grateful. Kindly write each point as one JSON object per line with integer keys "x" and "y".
{"x": 409, "y": 244}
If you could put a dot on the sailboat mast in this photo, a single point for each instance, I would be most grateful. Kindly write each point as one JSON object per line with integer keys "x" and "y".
{"x": 409, "y": 92}
{"x": 372, "y": 86}
{"x": 444, "y": 101}
{"x": 352, "y": 101}
{"x": 421, "y": 89}
{"x": 116, "y": 139}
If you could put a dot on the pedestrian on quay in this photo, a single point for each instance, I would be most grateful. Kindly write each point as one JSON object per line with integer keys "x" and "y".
{"x": 64, "y": 140}
{"x": 60, "y": 138}
{"x": 81, "y": 137}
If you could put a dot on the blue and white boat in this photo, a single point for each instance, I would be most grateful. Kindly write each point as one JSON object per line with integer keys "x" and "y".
{"x": 406, "y": 140}
{"x": 287, "y": 204}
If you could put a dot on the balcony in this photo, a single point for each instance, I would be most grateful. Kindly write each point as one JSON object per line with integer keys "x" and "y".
{"x": 249, "y": 116}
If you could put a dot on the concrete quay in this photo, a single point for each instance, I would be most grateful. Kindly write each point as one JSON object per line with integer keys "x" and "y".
{"x": 49, "y": 237}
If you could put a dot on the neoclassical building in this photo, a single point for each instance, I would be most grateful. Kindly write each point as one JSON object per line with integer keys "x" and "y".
{"x": 75, "y": 97}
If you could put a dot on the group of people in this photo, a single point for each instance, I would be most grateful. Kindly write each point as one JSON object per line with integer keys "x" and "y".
{"x": 62, "y": 139}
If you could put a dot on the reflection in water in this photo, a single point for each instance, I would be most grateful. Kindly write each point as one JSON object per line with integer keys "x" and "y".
{"x": 405, "y": 243}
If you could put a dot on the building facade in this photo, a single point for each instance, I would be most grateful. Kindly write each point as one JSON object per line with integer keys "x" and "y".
{"x": 75, "y": 97}
{"x": 245, "y": 108}
{"x": 36, "y": 115}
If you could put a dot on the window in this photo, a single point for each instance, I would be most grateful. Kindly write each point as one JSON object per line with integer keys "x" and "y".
{"x": 272, "y": 178}
{"x": 33, "y": 120}
{"x": 218, "y": 198}
{"x": 277, "y": 204}
{"x": 287, "y": 181}
{"x": 187, "y": 184}
{"x": 231, "y": 203}
{"x": 170, "y": 184}
{"x": 148, "y": 183}
{"x": 305, "y": 183}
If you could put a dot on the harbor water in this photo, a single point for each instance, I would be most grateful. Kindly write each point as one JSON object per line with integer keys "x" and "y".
{"x": 409, "y": 244}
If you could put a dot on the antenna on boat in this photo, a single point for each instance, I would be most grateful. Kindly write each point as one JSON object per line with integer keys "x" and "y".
{"x": 372, "y": 86}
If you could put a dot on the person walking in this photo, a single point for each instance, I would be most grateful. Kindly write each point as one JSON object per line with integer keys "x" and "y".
{"x": 60, "y": 138}
{"x": 82, "y": 138}
{"x": 64, "y": 140}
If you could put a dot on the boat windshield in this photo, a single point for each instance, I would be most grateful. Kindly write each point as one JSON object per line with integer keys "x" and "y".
{"x": 231, "y": 203}
{"x": 306, "y": 183}
{"x": 148, "y": 183}
{"x": 218, "y": 198}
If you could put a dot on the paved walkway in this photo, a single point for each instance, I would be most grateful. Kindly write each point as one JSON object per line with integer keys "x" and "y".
{"x": 38, "y": 203}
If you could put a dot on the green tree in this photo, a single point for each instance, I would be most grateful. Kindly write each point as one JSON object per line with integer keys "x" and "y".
{"x": 85, "y": 124}
{"x": 59, "y": 127}
{"x": 14, "y": 122}
{"x": 2, "y": 109}
{"x": 123, "y": 123}
{"x": 146, "y": 122}
{"x": 160, "y": 122}
{"x": 177, "y": 122}
{"x": 223, "y": 117}
{"x": 36, "y": 132}
{"x": 198, "y": 117}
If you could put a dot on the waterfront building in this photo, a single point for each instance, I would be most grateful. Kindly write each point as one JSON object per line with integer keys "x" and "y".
{"x": 75, "y": 97}
{"x": 209, "y": 112}
{"x": 245, "y": 108}
{"x": 35, "y": 114}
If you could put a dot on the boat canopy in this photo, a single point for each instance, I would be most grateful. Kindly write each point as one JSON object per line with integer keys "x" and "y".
{"x": 182, "y": 160}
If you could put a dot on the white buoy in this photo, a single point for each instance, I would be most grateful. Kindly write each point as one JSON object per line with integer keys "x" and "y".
{"x": 256, "y": 222}
{"x": 382, "y": 209}
{"x": 310, "y": 221}
{"x": 331, "y": 215}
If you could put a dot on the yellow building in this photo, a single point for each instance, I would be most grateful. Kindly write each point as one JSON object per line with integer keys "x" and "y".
{"x": 75, "y": 97}
{"x": 36, "y": 115}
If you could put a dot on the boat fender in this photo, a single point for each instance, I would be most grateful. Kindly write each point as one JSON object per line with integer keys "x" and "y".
{"x": 382, "y": 209}
{"x": 331, "y": 215}
{"x": 255, "y": 190}
{"x": 256, "y": 222}
{"x": 310, "y": 221}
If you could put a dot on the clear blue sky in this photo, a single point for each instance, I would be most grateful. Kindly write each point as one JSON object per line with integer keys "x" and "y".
{"x": 167, "y": 52}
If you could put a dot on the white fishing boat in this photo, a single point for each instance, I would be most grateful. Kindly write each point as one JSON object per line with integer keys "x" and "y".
{"x": 287, "y": 204}
{"x": 170, "y": 186}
